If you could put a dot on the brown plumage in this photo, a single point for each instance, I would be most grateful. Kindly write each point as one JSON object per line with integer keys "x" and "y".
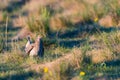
{"x": 35, "y": 49}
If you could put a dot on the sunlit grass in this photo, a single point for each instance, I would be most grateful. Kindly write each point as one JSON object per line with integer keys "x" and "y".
{"x": 97, "y": 56}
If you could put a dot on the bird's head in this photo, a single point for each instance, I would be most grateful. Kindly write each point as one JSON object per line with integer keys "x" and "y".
{"x": 28, "y": 37}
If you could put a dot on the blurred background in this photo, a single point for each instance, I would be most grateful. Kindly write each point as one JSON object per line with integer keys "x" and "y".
{"x": 81, "y": 39}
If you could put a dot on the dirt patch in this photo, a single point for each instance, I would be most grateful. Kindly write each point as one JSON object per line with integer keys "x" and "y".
{"x": 119, "y": 2}
{"x": 92, "y": 1}
{"x": 20, "y": 21}
{"x": 98, "y": 56}
{"x": 23, "y": 33}
{"x": 106, "y": 21}
{"x": 1, "y": 17}
{"x": 57, "y": 24}
{"x": 72, "y": 58}
{"x": 37, "y": 3}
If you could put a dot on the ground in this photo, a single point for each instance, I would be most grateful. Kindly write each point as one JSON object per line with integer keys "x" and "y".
{"x": 81, "y": 39}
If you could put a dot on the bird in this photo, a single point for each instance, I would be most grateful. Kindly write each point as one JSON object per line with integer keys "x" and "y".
{"x": 35, "y": 49}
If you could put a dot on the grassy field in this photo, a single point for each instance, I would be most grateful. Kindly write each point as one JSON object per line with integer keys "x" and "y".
{"x": 81, "y": 39}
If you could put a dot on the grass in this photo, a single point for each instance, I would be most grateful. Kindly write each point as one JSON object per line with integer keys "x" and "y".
{"x": 2, "y": 43}
{"x": 67, "y": 71}
{"x": 40, "y": 23}
{"x": 73, "y": 51}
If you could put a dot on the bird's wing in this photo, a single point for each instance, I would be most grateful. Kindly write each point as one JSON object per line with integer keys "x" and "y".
{"x": 27, "y": 44}
{"x": 29, "y": 48}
